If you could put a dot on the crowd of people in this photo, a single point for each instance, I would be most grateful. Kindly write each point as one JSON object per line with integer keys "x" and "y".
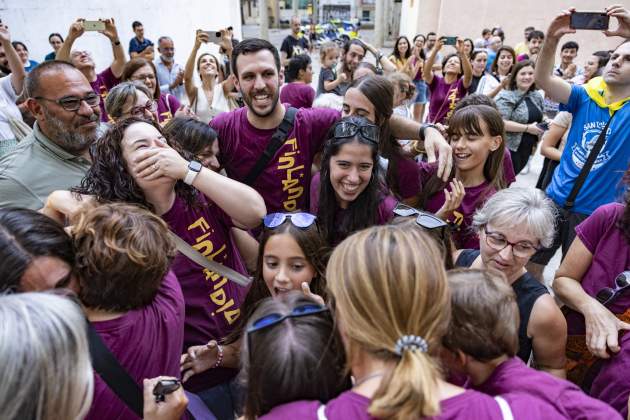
{"x": 221, "y": 240}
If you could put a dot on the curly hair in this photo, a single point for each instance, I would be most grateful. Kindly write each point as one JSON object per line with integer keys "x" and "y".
{"x": 122, "y": 254}
{"x": 109, "y": 180}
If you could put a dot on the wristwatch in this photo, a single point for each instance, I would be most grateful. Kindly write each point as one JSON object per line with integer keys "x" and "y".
{"x": 423, "y": 128}
{"x": 194, "y": 168}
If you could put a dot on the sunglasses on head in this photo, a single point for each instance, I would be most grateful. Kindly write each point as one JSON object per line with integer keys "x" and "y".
{"x": 346, "y": 129}
{"x": 608, "y": 295}
{"x": 424, "y": 219}
{"x": 301, "y": 220}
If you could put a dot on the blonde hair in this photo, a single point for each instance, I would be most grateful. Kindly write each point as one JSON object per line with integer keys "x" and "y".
{"x": 384, "y": 288}
{"x": 46, "y": 370}
{"x": 326, "y": 48}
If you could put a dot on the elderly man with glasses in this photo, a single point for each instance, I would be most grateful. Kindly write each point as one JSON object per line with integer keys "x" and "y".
{"x": 101, "y": 82}
{"x": 55, "y": 156}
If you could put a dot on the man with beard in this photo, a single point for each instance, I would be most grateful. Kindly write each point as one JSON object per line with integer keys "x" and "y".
{"x": 244, "y": 134}
{"x": 169, "y": 73}
{"x": 534, "y": 43}
{"x": 55, "y": 156}
{"x": 101, "y": 82}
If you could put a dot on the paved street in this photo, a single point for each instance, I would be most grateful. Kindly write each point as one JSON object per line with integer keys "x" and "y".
{"x": 524, "y": 179}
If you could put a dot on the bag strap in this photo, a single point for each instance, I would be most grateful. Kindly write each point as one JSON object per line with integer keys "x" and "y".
{"x": 590, "y": 160}
{"x": 277, "y": 140}
{"x": 114, "y": 375}
{"x": 517, "y": 104}
{"x": 506, "y": 411}
{"x": 214, "y": 266}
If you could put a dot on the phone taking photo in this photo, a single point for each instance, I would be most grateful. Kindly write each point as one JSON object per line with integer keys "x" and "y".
{"x": 165, "y": 387}
{"x": 213, "y": 36}
{"x": 589, "y": 20}
{"x": 94, "y": 25}
{"x": 449, "y": 40}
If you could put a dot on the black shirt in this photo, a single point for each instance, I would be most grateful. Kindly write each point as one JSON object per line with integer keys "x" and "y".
{"x": 527, "y": 290}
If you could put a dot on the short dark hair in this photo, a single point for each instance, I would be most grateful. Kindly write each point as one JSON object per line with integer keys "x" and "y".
{"x": 535, "y": 34}
{"x": 25, "y": 235}
{"x": 135, "y": 24}
{"x": 475, "y": 99}
{"x": 32, "y": 84}
{"x": 253, "y": 45}
{"x": 190, "y": 134}
{"x": 570, "y": 45}
{"x": 530, "y": 28}
{"x": 499, "y": 33}
{"x": 123, "y": 252}
{"x": 55, "y": 34}
{"x": 517, "y": 68}
{"x": 431, "y": 33}
{"x": 486, "y": 31}
{"x": 348, "y": 44}
{"x": 297, "y": 63}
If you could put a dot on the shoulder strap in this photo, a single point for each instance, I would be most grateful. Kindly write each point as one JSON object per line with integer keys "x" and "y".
{"x": 114, "y": 375}
{"x": 277, "y": 140}
{"x": 516, "y": 105}
{"x": 579, "y": 181}
{"x": 506, "y": 411}
{"x": 321, "y": 412}
{"x": 214, "y": 266}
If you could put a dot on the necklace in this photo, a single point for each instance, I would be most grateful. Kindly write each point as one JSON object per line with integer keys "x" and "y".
{"x": 358, "y": 382}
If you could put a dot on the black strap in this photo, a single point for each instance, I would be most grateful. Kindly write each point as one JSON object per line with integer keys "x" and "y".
{"x": 277, "y": 140}
{"x": 114, "y": 375}
{"x": 579, "y": 181}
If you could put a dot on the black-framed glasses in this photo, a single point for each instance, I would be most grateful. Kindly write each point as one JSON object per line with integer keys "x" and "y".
{"x": 498, "y": 242}
{"x": 346, "y": 129}
{"x": 73, "y": 103}
{"x": 301, "y": 220}
{"x": 608, "y": 295}
{"x": 276, "y": 318}
{"x": 428, "y": 221}
{"x": 138, "y": 111}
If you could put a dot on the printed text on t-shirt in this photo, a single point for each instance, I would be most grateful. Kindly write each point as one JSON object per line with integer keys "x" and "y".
{"x": 293, "y": 177}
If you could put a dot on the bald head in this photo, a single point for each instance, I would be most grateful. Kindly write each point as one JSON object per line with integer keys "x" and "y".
{"x": 42, "y": 76}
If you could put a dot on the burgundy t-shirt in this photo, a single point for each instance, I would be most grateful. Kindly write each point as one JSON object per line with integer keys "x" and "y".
{"x": 147, "y": 342}
{"x": 166, "y": 107}
{"x": 408, "y": 178}
{"x": 463, "y": 235}
{"x": 444, "y": 97}
{"x": 105, "y": 80}
{"x": 567, "y": 399}
{"x": 284, "y": 183}
{"x": 212, "y": 302}
{"x": 298, "y": 95}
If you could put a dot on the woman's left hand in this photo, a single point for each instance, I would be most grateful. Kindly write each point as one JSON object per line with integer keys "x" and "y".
{"x": 602, "y": 330}
{"x": 161, "y": 161}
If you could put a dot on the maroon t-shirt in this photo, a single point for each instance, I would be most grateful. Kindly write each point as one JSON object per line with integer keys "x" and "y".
{"x": 146, "y": 342}
{"x": 298, "y": 95}
{"x": 463, "y": 235}
{"x": 105, "y": 80}
{"x": 166, "y": 107}
{"x": 284, "y": 183}
{"x": 212, "y": 302}
{"x": 444, "y": 97}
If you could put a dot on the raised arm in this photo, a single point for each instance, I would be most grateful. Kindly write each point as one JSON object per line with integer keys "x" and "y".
{"x": 189, "y": 69}
{"x": 18, "y": 74}
{"x": 556, "y": 88}
{"x": 119, "y": 53}
{"x": 465, "y": 63}
{"x": 388, "y": 66}
{"x": 427, "y": 71}
{"x": 75, "y": 31}
{"x": 623, "y": 18}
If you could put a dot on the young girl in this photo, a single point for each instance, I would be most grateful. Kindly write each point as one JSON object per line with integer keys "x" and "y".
{"x": 478, "y": 60}
{"x": 195, "y": 137}
{"x": 351, "y": 195}
{"x": 491, "y": 84}
{"x": 329, "y": 80}
{"x": 476, "y": 135}
{"x": 447, "y": 90}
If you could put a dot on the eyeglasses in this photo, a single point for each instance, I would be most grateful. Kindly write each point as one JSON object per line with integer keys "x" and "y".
{"x": 349, "y": 129}
{"x": 608, "y": 295}
{"x": 498, "y": 242}
{"x": 138, "y": 111}
{"x": 428, "y": 221}
{"x": 141, "y": 77}
{"x": 276, "y": 318}
{"x": 73, "y": 103}
{"x": 301, "y": 220}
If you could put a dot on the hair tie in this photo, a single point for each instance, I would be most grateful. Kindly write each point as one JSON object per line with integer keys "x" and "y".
{"x": 411, "y": 342}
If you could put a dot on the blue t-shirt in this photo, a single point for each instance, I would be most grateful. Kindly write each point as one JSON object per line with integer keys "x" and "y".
{"x": 136, "y": 46}
{"x": 603, "y": 183}
{"x": 491, "y": 56}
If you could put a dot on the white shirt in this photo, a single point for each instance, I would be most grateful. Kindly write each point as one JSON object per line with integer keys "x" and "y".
{"x": 7, "y": 102}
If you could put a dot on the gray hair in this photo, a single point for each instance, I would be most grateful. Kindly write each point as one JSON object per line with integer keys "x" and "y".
{"x": 46, "y": 371}
{"x": 520, "y": 206}
{"x": 118, "y": 95}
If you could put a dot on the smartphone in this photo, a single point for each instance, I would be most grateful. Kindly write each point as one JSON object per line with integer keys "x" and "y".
{"x": 165, "y": 387}
{"x": 214, "y": 36}
{"x": 449, "y": 40}
{"x": 94, "y": 25}
{"x": 589, "y": 20}
{"x": 544, "y": 126}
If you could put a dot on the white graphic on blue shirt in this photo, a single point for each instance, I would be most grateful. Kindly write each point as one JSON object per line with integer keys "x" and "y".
{"x": 581, "y": 149}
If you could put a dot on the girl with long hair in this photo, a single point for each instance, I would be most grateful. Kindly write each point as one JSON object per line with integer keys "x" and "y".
{"x": 498, "y": 79}
{"x": 401, "y": 54}
{"x": 417, "y": 63}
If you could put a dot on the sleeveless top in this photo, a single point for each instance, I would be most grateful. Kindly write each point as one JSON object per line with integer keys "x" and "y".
{"x": 205, "y": 111}
{"x": 527, "y": 290}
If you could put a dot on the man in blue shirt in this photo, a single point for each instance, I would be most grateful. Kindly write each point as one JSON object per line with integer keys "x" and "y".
{"x": 139, "y": 46}
{"x": 592, "y": 105}
{"x": 169, "y": 73}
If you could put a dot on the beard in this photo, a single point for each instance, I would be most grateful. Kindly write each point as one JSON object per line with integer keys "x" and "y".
{"x": 68, "y": 138}
{"x": 249, "y": 99}
{"x": 167, "y": 59}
